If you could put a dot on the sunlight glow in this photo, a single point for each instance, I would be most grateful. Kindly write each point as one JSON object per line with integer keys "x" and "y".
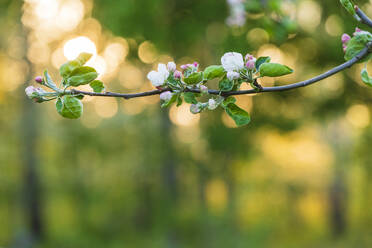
{"x": 74, "y": 47}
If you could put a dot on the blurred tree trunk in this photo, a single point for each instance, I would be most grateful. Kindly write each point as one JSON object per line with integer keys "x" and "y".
{"x": 338, "y": 136}
{"x": 28, "y": 131}
{"x": 170, "y": 180}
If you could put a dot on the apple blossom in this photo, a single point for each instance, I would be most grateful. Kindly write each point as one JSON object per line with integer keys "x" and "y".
{"x": 158, "y": 78}
{"x": 232, "y": 75}
{"x": 232, "y": 61}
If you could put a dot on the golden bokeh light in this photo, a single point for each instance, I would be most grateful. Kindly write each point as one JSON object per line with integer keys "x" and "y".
{"x": 106, "y": 107}
{"x": 216, "y": 194}
{"x": 309, "y": 15}
{"x": 182, "y": 116}
{"x": 72, "y": 48}
{"x": 358, "y": 115}
{"x": 147, "y": 52}
{"x": 333, "y": 25}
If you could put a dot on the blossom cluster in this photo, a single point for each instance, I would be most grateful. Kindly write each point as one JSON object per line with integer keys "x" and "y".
{"x": 233, "y": 67}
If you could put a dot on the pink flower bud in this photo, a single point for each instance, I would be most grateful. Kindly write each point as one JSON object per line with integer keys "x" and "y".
{"x": 344, "y": 47}
{"x": 249, "y": 57}
{"x": 171, "y": 66}
{"x": 250, "y": 64}
{"x": 345, "y": 38}
{"x": 195, "y": 64}
{"x": 166, "y": 96}
{"x": 177, "y": 74}
{"x": 39, "y": 79}
{"x": 203, "y": 89}
{"x": 184, "y": 67}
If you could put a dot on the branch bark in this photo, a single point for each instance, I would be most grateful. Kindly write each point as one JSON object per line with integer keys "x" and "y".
{"x": 364, "y": 18}
{"x": 287, "y": 87}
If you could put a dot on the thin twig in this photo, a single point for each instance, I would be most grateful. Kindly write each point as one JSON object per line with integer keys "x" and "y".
{"x": 364, "y": 18}
{"x": 318, "y": 78}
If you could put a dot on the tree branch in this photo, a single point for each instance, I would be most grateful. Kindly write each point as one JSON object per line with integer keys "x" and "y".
{"x": 364, "y": 18}
{"x": 318, "y": 78}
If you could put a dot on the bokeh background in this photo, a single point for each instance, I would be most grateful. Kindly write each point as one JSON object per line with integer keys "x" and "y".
{"x": 130, "y": 174}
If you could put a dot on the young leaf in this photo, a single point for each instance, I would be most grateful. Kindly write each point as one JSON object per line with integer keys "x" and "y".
{"x": 365, "y": 77}
{"x": 82, "y": 75}
{"x": 225, "y": 85}
{"x": 228, "y": 100}
{"x": 261, "y": 60}
{"x": 49, "y": 80}
{"x": 356, "y": 45}
{"x": 274, "y": 70}
{"x": 189, "y": 97}
{"x": 240, "y": 116}
{"x": 348, "y": 6}
{"x": 69, "y": 107}
{"x": 66, "y": 69}
{"x": 194, "y": 78}
{"x": 213, "y": 71}
{"x": 97, "y": 86}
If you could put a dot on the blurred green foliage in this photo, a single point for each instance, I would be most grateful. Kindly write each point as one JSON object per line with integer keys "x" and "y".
{"x": 298, "y": 176}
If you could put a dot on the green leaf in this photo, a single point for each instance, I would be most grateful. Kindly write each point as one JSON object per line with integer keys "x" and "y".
{"x": 213, "y": 71}
{"x": 80, "y": 97}
{"x": 365, "y": 77}
{"x": 179, "y": 100}
{"x": 228, "y": 100}
{"x": 274, "y": 70}
{"x": 225, "y": 85}
{"x": 69, "y": 107}
{"x": 262, "y": 60}
{"x": 189, "y": 97}
{"x": 356, "y": 45}
{"x": 82, "y": 75}
{"x": 97, "y": 86}
{"x": 240, "y": 116}
{"x": 49, "y": 80}
{"x": 66, "y": 69}
{"x": 83, "y": 58}
{"x": 194, "y": 78}
{"x": 348, "y": 6}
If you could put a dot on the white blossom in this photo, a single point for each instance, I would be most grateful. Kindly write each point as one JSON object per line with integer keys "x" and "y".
{"x": 166, "y": 96}
{"x": 171, "y": 66}
{"x": 30, "y": 90}
{"x": 159, "y": 77}
{"x": 231, "y": 75}
{"x": 232, "y": 61}
{"x": 195, "y": 108}
{"x": 203, "y": 89}
{"x": 212, "y": 104}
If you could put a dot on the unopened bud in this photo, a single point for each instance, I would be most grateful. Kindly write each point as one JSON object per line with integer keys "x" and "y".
{"x": 250, "y": 64}
{"x": 232, "y": 75}
{"x": 171, "y": 66}
{"x": 166, "y": 96}
{"x": 203, "y": 89}
{"x": 177, "y": 74}
{"x": 195, "y": 108}
{"x": 345, "y": 38}
{"x": 39, "y": 79}
{"x": 212, "y": 104}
